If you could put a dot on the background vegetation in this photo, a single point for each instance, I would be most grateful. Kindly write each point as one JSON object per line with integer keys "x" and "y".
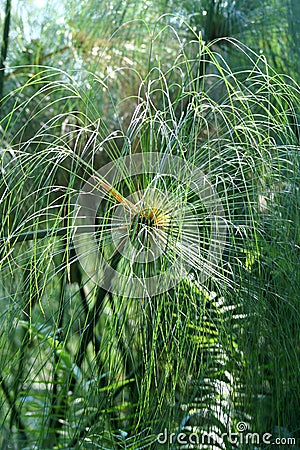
{"x": 82, "y": 83}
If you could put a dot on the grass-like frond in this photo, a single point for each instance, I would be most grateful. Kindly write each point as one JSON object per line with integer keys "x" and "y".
{"x": 150, "y": 271}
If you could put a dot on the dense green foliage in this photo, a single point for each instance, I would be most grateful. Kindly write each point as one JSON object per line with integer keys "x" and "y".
{"x": 213, "y": 84}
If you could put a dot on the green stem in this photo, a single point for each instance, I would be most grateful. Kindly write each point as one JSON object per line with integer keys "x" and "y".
{"x": 4, "y": 45}
{"x": 31, "y": 235}
{"x": 14, "y": 411}
{"x": 56, "y": 413}
{"x": 91, "y": 322}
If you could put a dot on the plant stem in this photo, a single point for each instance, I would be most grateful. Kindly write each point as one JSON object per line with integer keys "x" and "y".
{"x": 31, "y": 235}
{"x": 91, "y": 322}
{"x": 55, "y": 416}
{"x": 4, "y": 45}
{"x": 14, "y": 411}
{"x": 57, "y": 413}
